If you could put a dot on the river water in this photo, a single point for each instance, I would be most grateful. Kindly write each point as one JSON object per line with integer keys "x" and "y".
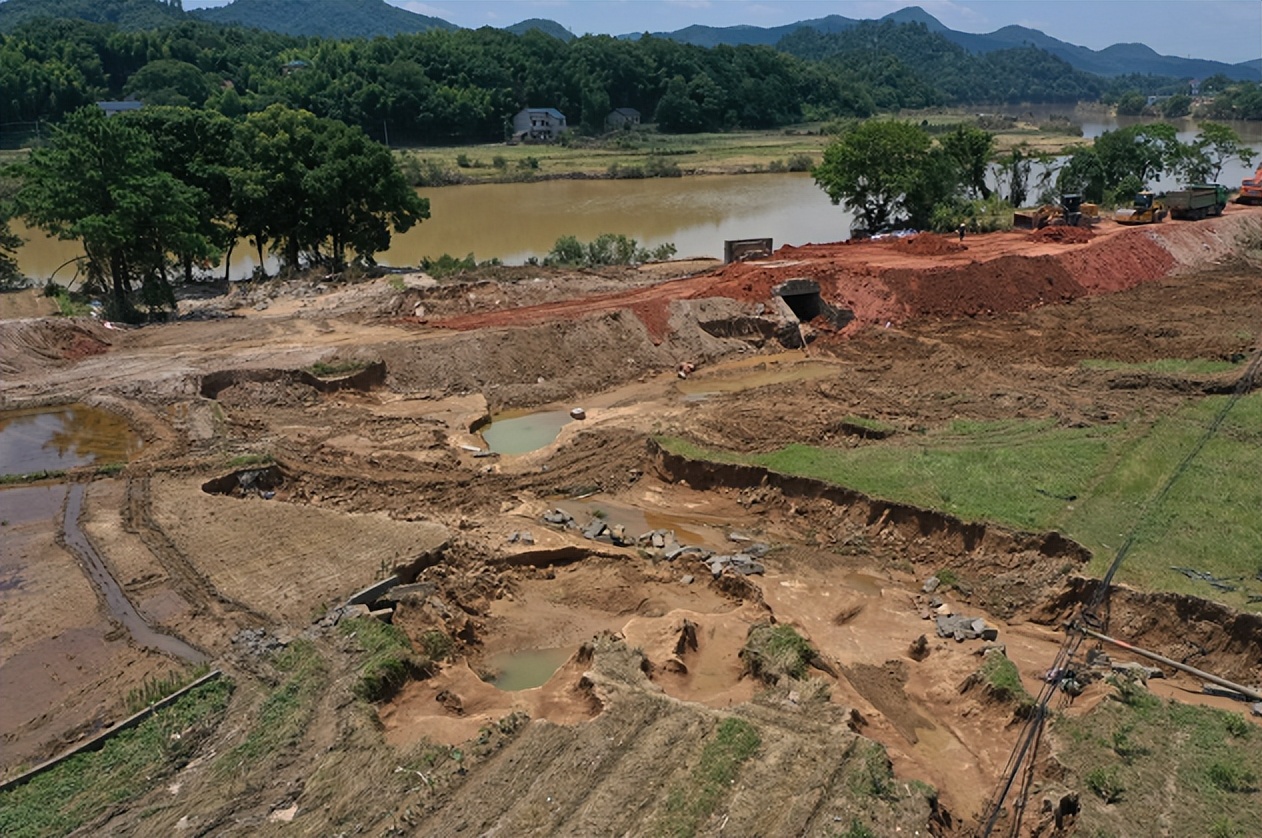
{"x": 516, "y": 221}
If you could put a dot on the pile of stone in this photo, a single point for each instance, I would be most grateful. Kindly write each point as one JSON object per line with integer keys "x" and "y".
{"x": 742, "y": 563}
{"x": 964, "y": 628}
{"x": 662, "y": 544}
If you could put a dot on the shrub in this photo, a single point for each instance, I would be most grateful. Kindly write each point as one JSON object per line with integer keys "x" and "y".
{"x": 800, "y": 162}
{"x": 1232, "y": 776}
{"x": 1105, "y": 784}
{"x": 605, "y": 249}
{"x": 446, "y": 265}
{"x": 773, "y": 652}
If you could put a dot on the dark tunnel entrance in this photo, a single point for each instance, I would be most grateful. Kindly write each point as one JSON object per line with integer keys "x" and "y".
{"x": 802, "y": 296}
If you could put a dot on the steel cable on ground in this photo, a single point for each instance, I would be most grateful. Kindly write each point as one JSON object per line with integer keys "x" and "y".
{"x": 1026, "y": 746}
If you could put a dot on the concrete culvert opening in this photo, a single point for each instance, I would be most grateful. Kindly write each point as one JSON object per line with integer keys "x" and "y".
{"x": 802, "y": 296}
{"x": 803, "y": 299}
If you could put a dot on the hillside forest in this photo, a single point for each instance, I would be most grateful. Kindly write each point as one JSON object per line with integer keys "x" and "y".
{"x": 443, "y": 87}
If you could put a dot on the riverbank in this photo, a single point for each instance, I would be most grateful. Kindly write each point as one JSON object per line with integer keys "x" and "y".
{"x": 644, "y": 153}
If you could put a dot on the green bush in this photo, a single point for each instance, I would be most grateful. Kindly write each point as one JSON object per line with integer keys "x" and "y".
{"x": 605, "y": 249}
{"x": 1105, "y": 784}
{"x": 1232, "y": 776}
{"x": 391, "y": 660}
{"x": 773, "y": 652}
{"x": 801, "y": 162}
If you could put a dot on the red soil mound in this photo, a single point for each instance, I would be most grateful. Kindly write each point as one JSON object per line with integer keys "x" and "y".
{"x": 1064, "y": 235}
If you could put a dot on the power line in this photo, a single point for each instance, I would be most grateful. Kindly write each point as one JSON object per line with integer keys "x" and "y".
{"x": 1026, "y": 748}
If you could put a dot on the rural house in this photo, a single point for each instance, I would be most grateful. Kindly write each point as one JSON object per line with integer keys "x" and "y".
{"x": 117, "y": 106}
{"x": 622, "y": 118}
{"x": 538, "y": 124}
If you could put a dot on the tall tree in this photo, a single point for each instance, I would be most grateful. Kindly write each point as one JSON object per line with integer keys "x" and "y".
{"x": 872, "y": 168}
{"x": 310, "y": 184}
{"x": 98, "y": 181}
{"x": 971, "y": 148}
{"x": 1203, "y": 159}
{"x": 356, "y": 195}
{"x": 196, "y": 147}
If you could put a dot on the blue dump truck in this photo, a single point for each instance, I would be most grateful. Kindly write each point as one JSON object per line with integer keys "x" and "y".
{"x": 1197, "y": 201}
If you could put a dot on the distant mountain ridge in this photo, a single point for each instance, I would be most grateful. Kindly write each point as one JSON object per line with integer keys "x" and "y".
{"x": 372, "y": 18}
{"x": 323, "y": 18}
{"x": 1115, "y": 60}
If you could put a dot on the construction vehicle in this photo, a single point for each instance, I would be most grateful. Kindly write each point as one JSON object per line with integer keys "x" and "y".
{"x": 1147, "y": 209}
{"x": 1251, "y": 189}
{"x": 1072, "y": 211}
{"x": 1196, "y": 202}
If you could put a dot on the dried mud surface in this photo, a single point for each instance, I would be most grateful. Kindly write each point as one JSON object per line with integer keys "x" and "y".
{"x": 380, "y": 478}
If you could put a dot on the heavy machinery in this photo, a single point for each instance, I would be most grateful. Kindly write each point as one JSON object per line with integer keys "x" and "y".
{"x": 1196, "y": 202}
{"x": 1146, "y": 210}
{"x": 1251, "y": 189}
{"x": 1072, "y": 211}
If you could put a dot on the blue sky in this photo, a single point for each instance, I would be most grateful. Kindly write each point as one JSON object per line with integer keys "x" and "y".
{"x": 1223, "y": 30}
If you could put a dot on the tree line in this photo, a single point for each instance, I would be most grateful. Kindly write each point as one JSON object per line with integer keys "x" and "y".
{"x": 165, "y": 190}
{"x": 464, "y": 86}
{"x": 894, "y": 173}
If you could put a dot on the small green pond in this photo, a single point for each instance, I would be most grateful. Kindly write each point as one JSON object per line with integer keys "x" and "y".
{"x": 523, "y": 434}
{"x": 526, "y": 669}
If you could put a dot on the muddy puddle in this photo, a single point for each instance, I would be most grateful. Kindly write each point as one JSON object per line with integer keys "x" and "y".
{"x": 521, "y": 434}
{"x": 689, "y": 530}
{"x": 526, "y": 669}
{"x": 57, "y": 438}
{"x": 749, "y": 373}
{"x": 116, "y": 601}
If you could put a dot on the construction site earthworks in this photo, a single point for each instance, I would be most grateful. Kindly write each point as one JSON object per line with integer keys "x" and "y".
{"x": 818, "y": 543}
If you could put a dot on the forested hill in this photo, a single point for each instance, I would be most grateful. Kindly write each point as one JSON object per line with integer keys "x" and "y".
{"x": 442, "y": 86}
{"x": 125, "y": 14}
{"x": 547, "y": 27}
{"x": 323, "y": 18}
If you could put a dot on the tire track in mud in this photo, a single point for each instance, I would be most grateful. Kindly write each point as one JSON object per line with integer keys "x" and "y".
{"x": 196, "y": 589}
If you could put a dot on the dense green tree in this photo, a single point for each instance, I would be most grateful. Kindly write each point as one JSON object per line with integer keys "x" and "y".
{"x": 1202, "y": 160}
{"x": 1084, "y": 174}
{"x": 9, "y": 243}
{"x": 169, "y": 82}
{"x": 356, "y": 196}
{"x": 1131, "y": 103}
{"x": 873, "y": 168}
{"x": 316, "y": 187}
{"x": 98, "y": 181}
{"x": 196, "y": 147}
{"x": 1144, "y": 151}
{"x": 971, "y": 149}
{"x": 1177, "y": 105}
{"x": 1239, "y": 101}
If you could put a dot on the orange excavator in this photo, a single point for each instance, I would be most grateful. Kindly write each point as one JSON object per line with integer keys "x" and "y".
{"x": 1251, "y": 189}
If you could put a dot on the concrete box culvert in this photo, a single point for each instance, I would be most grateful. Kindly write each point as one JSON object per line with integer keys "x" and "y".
{"x": 803, "y": 299}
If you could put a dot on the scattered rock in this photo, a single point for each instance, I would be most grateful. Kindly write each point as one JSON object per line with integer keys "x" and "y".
{"x": 689, "y": 579}
{"x": 965, "y": 628}
{"x": 931, "y": 584}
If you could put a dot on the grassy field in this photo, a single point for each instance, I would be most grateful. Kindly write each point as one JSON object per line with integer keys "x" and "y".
{"x": 647, "y": 153}
{"x": 89, "y": 785}
{"x": 1096, "y": 484}
{"x": 1152, "y": 767}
